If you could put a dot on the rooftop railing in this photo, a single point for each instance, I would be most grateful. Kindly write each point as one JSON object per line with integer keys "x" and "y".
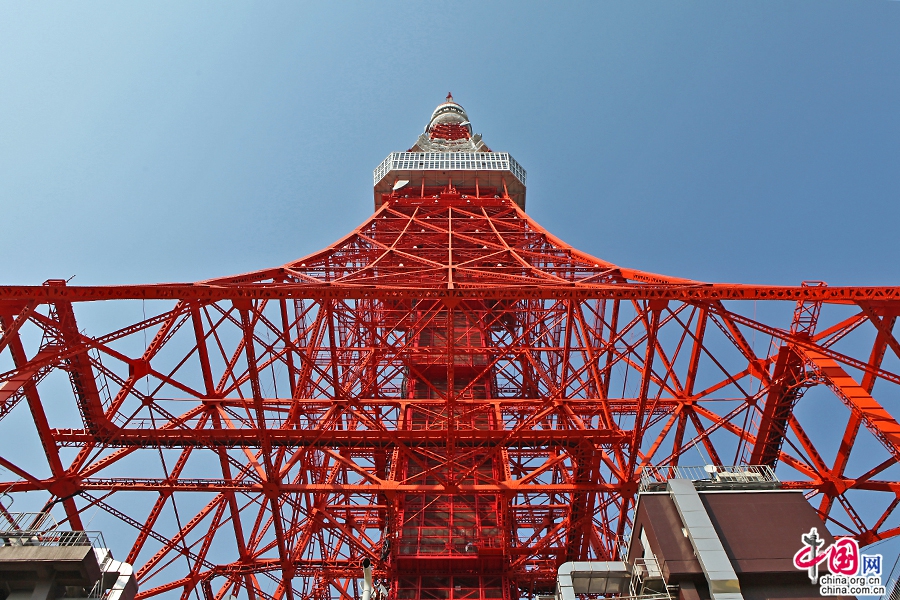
{"x": 654, "y": 478}
{"x": 41, "y": 529}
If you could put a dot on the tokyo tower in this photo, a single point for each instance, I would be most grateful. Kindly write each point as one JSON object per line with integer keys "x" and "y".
{"x": 449, "y": 394}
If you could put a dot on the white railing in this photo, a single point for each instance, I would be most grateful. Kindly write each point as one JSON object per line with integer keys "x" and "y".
{"x": 655, "y": 476}
{"x": 41, "y": 529}
{"x": 449, "y": 161}
{"x": 646, "y": 579}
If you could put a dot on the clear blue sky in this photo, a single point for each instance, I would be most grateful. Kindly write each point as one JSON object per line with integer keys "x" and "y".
{"x": 722, "y": 141}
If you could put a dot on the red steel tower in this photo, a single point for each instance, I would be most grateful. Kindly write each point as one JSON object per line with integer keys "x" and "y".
{"x": 450, "y": 392}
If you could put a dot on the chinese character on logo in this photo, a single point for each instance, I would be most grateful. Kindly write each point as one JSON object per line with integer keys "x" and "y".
{"x": 842, "y": 556}
{"x": 844, "y": 559}
{"x": 871, "y": 564}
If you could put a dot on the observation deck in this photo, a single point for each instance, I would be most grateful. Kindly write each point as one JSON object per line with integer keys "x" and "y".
{"x": 448, "y": 154}
{"x": 463, "y": 169}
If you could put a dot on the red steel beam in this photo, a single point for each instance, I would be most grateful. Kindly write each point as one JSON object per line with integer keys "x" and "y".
{"x": 698, "y": 292}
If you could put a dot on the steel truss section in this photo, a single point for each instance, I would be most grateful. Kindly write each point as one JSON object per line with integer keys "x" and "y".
{"x": 448, "y": 388}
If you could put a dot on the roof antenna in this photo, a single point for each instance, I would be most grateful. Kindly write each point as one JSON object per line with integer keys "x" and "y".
{"x": 3, "y": 495}
{"x": 367, "y": 579}
{"x": 703, "y": 458}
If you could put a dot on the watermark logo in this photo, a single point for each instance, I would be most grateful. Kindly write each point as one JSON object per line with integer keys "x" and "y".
{"x": 850, "y": 573}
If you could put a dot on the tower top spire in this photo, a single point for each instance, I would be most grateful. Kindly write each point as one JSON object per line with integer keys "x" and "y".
{"x": 449, "y": 130}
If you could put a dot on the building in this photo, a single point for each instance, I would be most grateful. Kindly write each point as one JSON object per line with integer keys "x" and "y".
{"x": 713, "y": 533}
{"x": 39, "y": 560}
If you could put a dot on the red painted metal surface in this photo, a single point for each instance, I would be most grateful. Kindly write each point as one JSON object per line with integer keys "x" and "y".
{"x": 449, "y": 131}
{"x": 449, "y": 391}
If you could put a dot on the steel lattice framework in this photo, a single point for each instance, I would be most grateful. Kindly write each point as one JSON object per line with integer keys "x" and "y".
{"x": 449, "y": 391}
